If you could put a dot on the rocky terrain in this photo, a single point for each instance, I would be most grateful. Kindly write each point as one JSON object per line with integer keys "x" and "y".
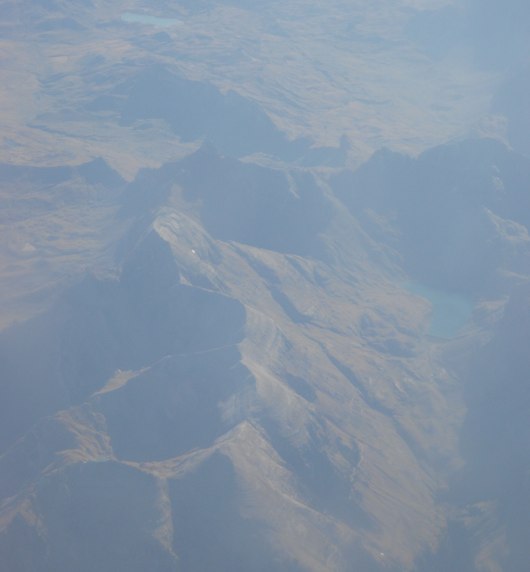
{"x": 233, "y": 336}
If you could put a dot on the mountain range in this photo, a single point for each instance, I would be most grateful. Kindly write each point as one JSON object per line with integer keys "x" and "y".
{"x": 259, "y": 313}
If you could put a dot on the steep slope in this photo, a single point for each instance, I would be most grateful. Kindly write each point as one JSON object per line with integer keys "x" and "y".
{"x": 268, "y": 399}
{"x": 246, "y": 359}
{"x": 496, "y": 435}
{"x": 458, "y": 214}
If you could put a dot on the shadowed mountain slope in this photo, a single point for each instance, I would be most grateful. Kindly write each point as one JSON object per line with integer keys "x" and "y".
{"x": 253, "y": 387}
{"x": 458, "y": 214}
{"x": 221, "y": 359}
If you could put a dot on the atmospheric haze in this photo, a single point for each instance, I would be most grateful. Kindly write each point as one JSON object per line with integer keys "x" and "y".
{"x": 265, "y": 286}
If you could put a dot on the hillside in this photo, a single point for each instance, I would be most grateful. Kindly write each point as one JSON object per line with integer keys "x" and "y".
{"x": 265, "y": 287}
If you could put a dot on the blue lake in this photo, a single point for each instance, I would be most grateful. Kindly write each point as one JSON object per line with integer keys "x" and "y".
{"x": 450, "y": 312}
{"x": 135, "y": 18}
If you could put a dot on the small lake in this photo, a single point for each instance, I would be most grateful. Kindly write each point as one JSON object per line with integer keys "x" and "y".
{"x": 134, "y": 18}
{"x": 450, "y": 311}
